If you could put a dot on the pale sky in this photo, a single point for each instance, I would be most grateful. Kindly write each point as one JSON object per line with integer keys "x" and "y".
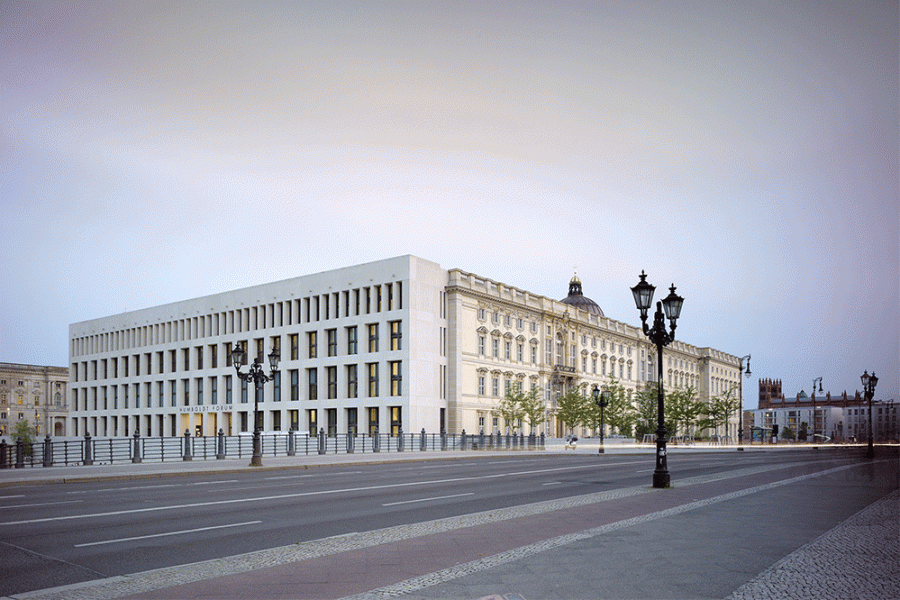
{"x": 745, "y": 151}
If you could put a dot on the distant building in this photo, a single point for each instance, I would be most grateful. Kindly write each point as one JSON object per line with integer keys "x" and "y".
{"x": 395, "y": 343}
{"x": 35, "y": 394}
{"x": 841, "y": 418}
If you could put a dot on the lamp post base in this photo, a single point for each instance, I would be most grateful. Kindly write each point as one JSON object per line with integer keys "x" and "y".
{"x": 256, "y": 459}
{"x": 661, "y": 479}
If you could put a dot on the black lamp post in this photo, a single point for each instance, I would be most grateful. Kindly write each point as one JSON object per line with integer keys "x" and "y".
{"x": 259, "y": 378}
{"x": 869, "y": 382}
{"x": 813, "y": 398}
{"x": 741, "y": 401}
{"x": 601, "y": 399}
{"x": 643, "y": 297}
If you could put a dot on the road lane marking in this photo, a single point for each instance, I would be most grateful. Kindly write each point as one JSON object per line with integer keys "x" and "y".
{"x": 153, "y": 487}
{"x": 156, "y": 535}
{"x": 304, "y": 494}
{"x": 43, "y": 504}
{"x": 429, "y": 499}
{"x": 552, "y": 483}
{"x": 16, "y": 496}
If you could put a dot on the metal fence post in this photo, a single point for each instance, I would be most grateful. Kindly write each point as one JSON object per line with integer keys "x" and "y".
{"x": 422, "y": 441}
{"x": 48, "y": 451}
{"x": 292, "y": 443}
{"x": 462, "y": 440}
{"x": 350, "y": 441}
{"x": 4, "y": 453}
{"x": 542, "y": 440}
{"x": 443, "y": 439}
{"x": 376, "y": 441}
{"x": 187, "y": 446}
{"x": 400, "y": 439}
{"x": 136, "y": 453}
{"x": 20, "y": 453}
{"x": 87, "y": 453}
{"x": 220, "y": 444}
{"x": 321, "y": 440}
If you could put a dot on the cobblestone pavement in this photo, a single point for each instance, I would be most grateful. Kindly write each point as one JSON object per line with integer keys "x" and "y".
{"x": 859, "y": 559}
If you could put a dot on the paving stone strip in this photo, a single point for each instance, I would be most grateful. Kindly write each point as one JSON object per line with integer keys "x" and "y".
{"x": 859, "y": 559}
{"x": 126, "y": 585}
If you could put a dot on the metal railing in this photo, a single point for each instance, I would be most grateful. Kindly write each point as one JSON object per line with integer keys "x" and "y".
{"x": 135, "y": 449}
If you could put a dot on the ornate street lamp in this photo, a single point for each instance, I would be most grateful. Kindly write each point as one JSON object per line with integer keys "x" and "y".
{"x": 813, "y": 398}
{"x": 259, "y": 378}
{"x": 869, "y": 382}
{"x": 643, "y": 297}
{"x": 741, "y": 401}
{"x": 601, "y": 399}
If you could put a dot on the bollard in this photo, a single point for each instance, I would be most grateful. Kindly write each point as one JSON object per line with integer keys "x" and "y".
{"x": 292, "y": 443}
{"x": 187, "y": 446}
{"x": 20, "y": 453}
{"x": 422, "y": 443}
{"x": 350, "y": 441}
{"x": 88, "y": 454}
{"x": 481, "y": 439}
{"x": 220, "y": 444}
{"x": 136, "y": 453}
{"x": 376, "y": 441}
{"x": 4, "y": 452}
{"x": 443, "y": 439}
{"x": 48, "y": 451}
{"x": 322, "y": 440}
{"x": 542, "y": 440}
{"x": 400, "y": 439}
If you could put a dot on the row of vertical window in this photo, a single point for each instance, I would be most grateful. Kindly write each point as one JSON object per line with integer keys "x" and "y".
{"x": 333, "y": 305}
{"x": 171, "y": 394}
{"x": 138, "y": 364}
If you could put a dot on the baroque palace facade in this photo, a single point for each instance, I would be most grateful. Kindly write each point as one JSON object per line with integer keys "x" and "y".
{"x": 35, "y": 394}
{"x": 398, "y": 343}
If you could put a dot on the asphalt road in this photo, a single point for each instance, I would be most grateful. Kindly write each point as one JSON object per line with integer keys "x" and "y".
{"x": 52, "y": 535}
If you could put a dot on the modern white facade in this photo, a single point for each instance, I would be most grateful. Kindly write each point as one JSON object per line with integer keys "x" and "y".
{"x": 395, "y": 343}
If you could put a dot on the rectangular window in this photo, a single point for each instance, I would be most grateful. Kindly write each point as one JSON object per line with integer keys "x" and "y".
{"x": 481, "y": 343}
{"x": 481, "y": 385}
{"x": 186, "y": 390}
{"x": 213, "y": 357}
{"x": 331, "y": 334}
{"x": 373, "y": 420}
{"x": 276, "y": 387}
{"x": 373, "y": 337}
{"x": 495, "y": 347}
{"x": 199, "y": 351}
{"x": 160, "y": 388}
{"x": 352, "y": 344}
{"x": 173, "y": 397}
{"x": 229, "y": 392}
{"x": 495, "y": 387}
{"x": 244, "y": 392}
{"x": 396, "y": 420}
{"x": 295, "y": 385}
{"x": 534, "y": 355}
{"x": 396, "y": 335}
{"x": 199, "y": 391}
{"x": 295, "y": 351}
{"x": 186, "y": 355}
{"x": 372, "y": 372}
{"x": 311, "y": 336}
{"x": 331, "y": 373}
{"x": 396, "y": 379}
{"x": 352, "y": 381}
{"x": 520, "y": 351}
{"x": 313, "y": 385}
{"x": 312, "y": 416}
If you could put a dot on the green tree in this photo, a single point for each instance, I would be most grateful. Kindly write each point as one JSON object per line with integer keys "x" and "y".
{"x": 572, "y": 409}
{"x": 620, "y": 414}
{"x": 24, "y": 431}
{"x": 719, "y": 411}
{"x": 532, "y": 404}
{"x": 510, "y": 409}
{"x": 646, "y": 410}
{"x": 683, "y": 410}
